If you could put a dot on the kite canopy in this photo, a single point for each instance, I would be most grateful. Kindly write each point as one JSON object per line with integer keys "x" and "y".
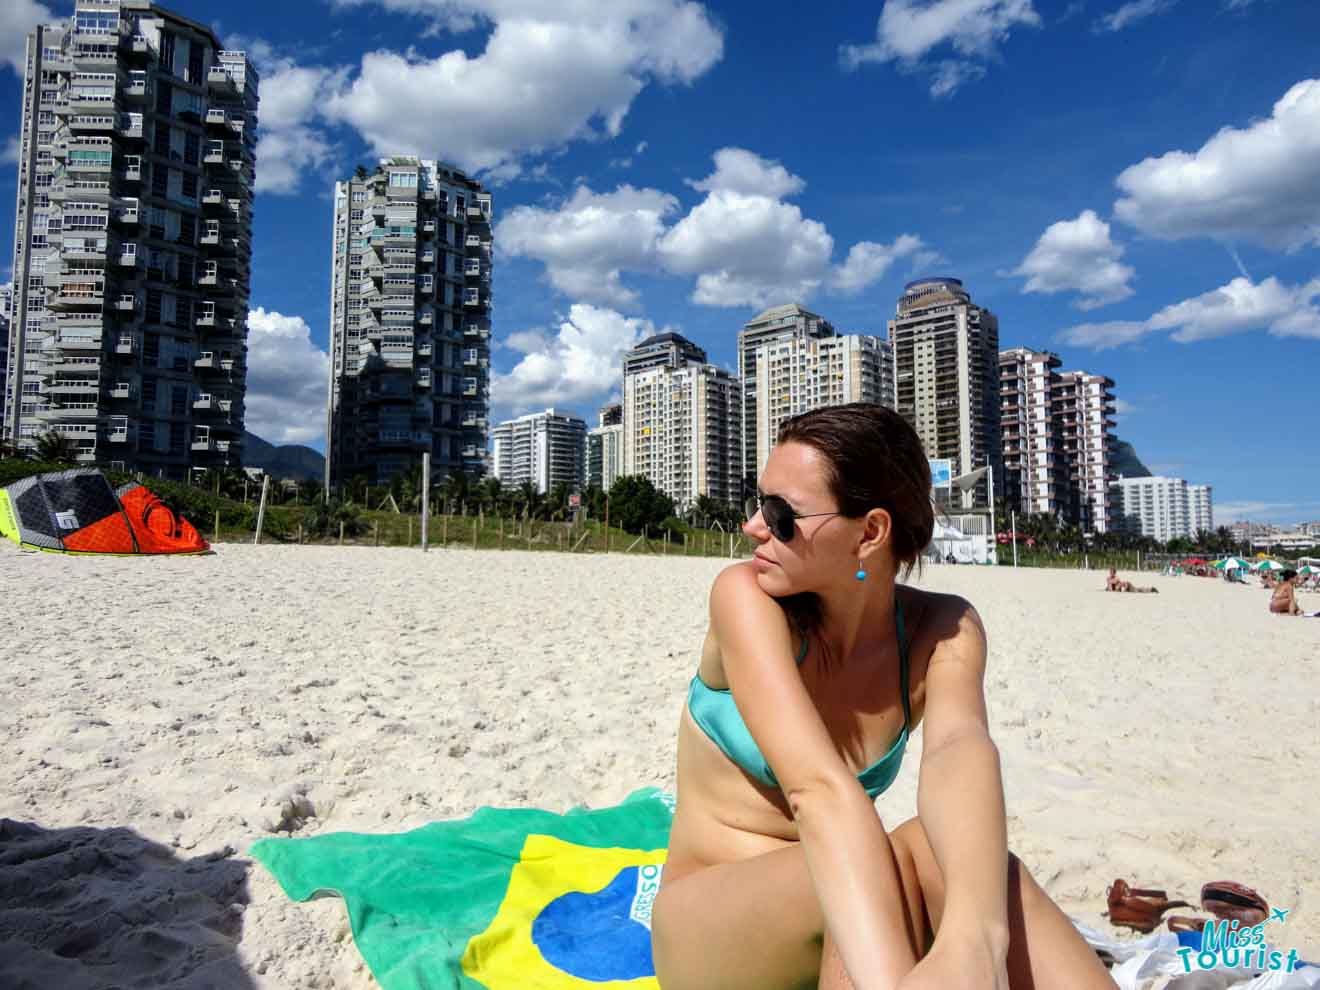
{"x": 78, "y": 512}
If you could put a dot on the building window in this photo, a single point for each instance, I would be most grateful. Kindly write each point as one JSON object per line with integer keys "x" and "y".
{"x": 191, "y": 148}
{"x": 160, "y": 181}
{"x": 189, "y": 186}
{"x": 164, "y": 92}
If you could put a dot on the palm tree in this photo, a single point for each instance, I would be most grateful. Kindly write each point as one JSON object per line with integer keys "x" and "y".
{"x": 54, "y": 448}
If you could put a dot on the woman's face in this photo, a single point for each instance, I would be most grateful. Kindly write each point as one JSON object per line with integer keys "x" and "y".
{"x": 820, "y": 552}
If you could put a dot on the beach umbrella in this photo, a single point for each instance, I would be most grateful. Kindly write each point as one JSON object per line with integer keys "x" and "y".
{"x": 1231, "y": 564}
{"x": 1269, "y": 565}
{"x": 1308, "y": 569}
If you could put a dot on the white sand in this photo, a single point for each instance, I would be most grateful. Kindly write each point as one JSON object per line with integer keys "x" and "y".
{"x": 200, "y": 702}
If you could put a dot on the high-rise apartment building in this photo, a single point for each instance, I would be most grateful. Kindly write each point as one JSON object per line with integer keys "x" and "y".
{"x": 798, "y": 373}
{"x": 132, "y": 240}
{"x": 1035, "y": 469}
{"x": 6, "y": 304}
{"x": 410, "y": 322}
{"x": 545, "y": 448}
{"x": 775, "y": 324}
{"x": 605, "y": 447}
{"x": 1084, "y": 407}
{"x": 681, "y": 425}
{"x": 946, "y": 377}
{"x": 1162, "y": 508}
{"x": 1200, "y": 503}
{"x": 1057, "y": 438}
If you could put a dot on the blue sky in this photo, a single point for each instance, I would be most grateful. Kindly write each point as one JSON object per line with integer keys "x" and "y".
{"x": 1135, "y": 185}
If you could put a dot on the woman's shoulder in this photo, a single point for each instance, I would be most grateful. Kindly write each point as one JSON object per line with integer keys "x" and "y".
{"x": 932, "y": 617}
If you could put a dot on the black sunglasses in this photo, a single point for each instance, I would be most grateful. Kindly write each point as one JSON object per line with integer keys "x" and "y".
{"x": 779, "y": 516}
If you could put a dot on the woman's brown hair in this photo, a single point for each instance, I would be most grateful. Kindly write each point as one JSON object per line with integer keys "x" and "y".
{"x": 873, "y": 460}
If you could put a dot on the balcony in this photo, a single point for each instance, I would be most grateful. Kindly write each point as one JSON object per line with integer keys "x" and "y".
{"x": 403, "y": 438}
{"x": 124, "y": 345}
{"x": 475, "y": 212}
{"x": 220, "y": 81}
{"x": 210, "y": 237}
{"x": 203, "y": 444}
{"x": 125, "y": 304}
{"x": 214, "y": 154}
{"x": 472, "y": 298}
{"x": 125, "y": 213}
{"x": 205, "y": 402}
{"x": 129, "y": 126}
{"x": 72, "y": 386}
{"x": 472, "y": 268}
{"x": 122, "y": 390}
{"x": 206, "y": 318}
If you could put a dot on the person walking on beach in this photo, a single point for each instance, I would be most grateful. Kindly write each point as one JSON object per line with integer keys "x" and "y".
{"x": 1284, "y": 599}
{"x": 816, "y": 668}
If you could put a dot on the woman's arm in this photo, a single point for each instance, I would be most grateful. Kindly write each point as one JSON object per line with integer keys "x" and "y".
{"x": 960, "y": 793}
{"x": 849, "y": 856}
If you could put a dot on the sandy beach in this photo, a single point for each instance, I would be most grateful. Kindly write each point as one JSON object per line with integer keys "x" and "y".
{"x": 162, "y": 714}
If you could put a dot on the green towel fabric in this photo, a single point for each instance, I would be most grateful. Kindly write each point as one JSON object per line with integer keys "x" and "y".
{"x": 507, "y": 899}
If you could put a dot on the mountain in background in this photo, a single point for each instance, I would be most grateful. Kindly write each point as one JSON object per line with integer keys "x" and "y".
{"x": 286, "y": 461}
{"x": 1126, "y": 462}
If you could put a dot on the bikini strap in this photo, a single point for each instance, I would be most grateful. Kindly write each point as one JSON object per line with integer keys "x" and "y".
{"x": 903, "y": 663}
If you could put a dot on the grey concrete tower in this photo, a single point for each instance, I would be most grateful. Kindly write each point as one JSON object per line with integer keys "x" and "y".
{"x": 410, "y": 322}
{"x": 132, "y": 245}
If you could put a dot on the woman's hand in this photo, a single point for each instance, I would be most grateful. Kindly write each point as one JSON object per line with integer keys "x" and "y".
{"x": 966, "y": 960}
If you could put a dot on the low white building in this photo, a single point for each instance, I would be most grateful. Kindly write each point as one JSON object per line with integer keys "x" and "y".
{"x": 543, "y": 448}
{"x": 1163, "y": 508}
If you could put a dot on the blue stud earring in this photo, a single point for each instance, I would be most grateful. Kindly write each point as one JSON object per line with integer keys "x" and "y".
{"x": 861, "y": 574}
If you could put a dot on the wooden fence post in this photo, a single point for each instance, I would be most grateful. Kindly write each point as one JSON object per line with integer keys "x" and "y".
{"x": 474, "y": 533}
{"x": 410, "y": 543}
{"x": 341, "y": 534}
{"x": 217, "y": 526}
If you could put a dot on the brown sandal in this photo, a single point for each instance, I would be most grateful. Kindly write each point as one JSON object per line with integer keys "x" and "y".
{"x": 1138, "y": 908}
{"x": 1231, "y": 901}
{"x": 1185, "y": 923}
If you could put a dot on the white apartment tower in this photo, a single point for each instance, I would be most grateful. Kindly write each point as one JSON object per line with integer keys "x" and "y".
{"x": 1163, "y": 508}
{"x": 545, "y": 448}
{"x": 946, "y": 376}
{"x": 1084, "y": 407}
{"x": 799, "y": 373}
{"x": 1057, "y": 438}
{"x": 132, "y": 240}
{"x": 605, "y": 447}
{"x": 681, "y": 423}
{"x": 775, "y": 324}
{"x": 410, "y": 323}
{"x": 1201, "y": 507}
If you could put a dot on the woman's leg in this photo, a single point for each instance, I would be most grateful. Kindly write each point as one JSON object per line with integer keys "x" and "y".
{"x": 1044, "y": 951}
{"x": 754, "y": 924}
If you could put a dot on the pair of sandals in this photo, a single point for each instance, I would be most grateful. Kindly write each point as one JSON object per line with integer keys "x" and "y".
{"x": 1142, "y": 909}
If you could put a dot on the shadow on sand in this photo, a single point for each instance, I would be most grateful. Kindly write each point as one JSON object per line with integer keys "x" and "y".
{"x": 84, "y": 908}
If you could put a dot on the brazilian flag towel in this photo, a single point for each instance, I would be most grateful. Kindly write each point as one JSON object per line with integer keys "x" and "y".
{"x": 507, "y": 899}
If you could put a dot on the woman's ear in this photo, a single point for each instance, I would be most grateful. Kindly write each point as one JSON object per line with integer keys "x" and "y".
{"x": 878, "y": 531}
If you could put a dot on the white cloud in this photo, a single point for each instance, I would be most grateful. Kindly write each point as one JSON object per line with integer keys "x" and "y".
{"x": 286, "y": 379}
{"x": 909, "y": 30}
{"x": 590, "y": 239}
{"x": 17, "y": 18}
{"x": 9, "y": 153}
{"x": 1257, "y": 511}
{"x": 1078, "y": 255}
{"x": 744, "y": 244}
{"x": 1240, "y": 306}
{"x": 1257, "y": 182}
{"x": 1131, "y": 13}
{"x": 741, "y": 171}
{"x": 293, "y": 144}
{"x": 578, "y": 364}
{"x": 868, "y": 261}
{"x": 549, "y": 74}
{"x": 1123, "y": 409}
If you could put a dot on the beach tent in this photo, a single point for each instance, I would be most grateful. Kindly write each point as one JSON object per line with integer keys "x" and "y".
{"x": 78, "y": 512}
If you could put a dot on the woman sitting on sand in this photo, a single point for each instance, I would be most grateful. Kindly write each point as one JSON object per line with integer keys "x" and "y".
{"x": 816, "y": 668}
{"x": 1284, "y": 599}
{"x": 1115, "y": 583}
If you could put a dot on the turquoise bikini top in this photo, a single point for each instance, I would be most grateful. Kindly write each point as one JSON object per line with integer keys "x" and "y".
{"x": 715, "y": 711}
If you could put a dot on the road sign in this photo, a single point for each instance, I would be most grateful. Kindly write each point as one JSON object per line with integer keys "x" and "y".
{"x": 575, "y": 501}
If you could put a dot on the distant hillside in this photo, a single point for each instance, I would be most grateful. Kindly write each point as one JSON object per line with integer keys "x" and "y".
{"x": 286, "y": 461}
{"x": 1126, "y": 462}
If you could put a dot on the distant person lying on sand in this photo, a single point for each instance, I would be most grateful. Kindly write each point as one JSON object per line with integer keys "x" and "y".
{"x": 814, "y": 671}
{"x": 1115, "y": 583}
{"x": 1284, "y": 599}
